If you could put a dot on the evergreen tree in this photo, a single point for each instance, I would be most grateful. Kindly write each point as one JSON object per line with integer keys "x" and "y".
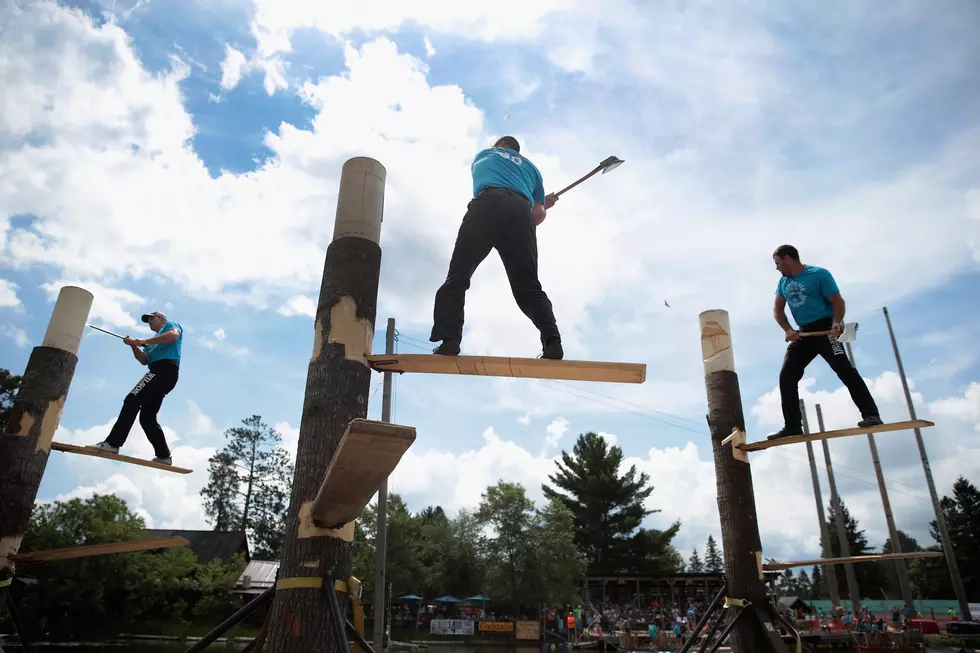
{"x": 818, "y": 585}
{"x": 607, "y": 505}
{"x": 962, "y": 514}
{"x": 869, "y": 577}
{"x": 221, "y": 500}
{"x": 9, "y": 385}
{"x": 888, "y": 568}
{"x": 694, "y": 565}
{"x": 712, "y": 557}
{"x": 803, "y": 586}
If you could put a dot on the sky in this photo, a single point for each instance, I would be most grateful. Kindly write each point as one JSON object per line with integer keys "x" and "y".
{"x": 186, "y": 158}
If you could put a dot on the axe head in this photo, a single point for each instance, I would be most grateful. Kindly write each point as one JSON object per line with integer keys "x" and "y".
{"x": 850, "y": 332}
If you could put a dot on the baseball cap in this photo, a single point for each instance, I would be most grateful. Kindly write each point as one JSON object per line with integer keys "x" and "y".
{"x": 147, "y": 316}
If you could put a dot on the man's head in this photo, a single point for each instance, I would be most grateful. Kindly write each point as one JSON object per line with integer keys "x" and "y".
{"x": 509, "y": 142}
{"x": 156, "y": 320}
{"x": 787, "y": 260}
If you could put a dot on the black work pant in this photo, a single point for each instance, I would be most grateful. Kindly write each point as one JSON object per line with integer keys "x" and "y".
{"x": 800, "y": 353}
{"x": 145, "y": 399}
{"x": 502, "y": 220}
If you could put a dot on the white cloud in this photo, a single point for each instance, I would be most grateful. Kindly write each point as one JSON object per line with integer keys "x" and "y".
{"x": 555, "y": 430}
{"x": 233, "y": 67}
{"x": 430, "y": 51}
{"x": 220, "y": 334}
{"x": 19, "y": 336}
{"x": 8, "y": 294}
{"x": 298, "y": 305}
{"x": 524, "y": 419}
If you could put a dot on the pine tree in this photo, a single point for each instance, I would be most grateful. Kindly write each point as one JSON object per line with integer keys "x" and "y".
{"x": 694, "y": 565}
{"x": 9, "y": 385}
{"x": 962, "y": 514}
{"x": 869, "y": 577}
{"x": 819, "y": 592}
{"x": 803, "y": 587}
{"x": 712, "y": 557}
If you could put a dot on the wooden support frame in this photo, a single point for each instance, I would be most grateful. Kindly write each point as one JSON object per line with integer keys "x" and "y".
{"x": 367, "y": 454}
{"x": 826, "y": 435}
{"x": 778, "y": 566}
{"x": 67, "y": 553}
{"x": 527, "y": 368}
{"x": 737, "y": 440}
{"x": 88, "y": 451}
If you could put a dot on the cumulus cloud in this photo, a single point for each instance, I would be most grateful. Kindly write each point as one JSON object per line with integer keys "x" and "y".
{"x": 19, "y": 336}
{"x": 298, "y": 305}
{"x": 110, "y": 306}
{"x": 8, "y": 294}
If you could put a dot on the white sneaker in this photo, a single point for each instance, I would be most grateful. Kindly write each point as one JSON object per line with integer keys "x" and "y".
{"x": 164, "y": 461}
{"x": 104, "y": 446}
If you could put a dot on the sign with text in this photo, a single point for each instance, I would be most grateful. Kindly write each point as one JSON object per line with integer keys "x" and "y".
{"x": 451, "y": 627}
{"x": 528, "y": 630}
{"x": 497, "y": 626}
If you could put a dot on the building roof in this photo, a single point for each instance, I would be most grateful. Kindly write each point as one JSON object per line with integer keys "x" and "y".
{"x": 208, "y": 545}
{"x": 259, "y": 575}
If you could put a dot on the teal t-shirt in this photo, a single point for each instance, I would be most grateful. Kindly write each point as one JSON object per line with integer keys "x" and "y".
{"x": 505, "y": 168}
{"x": 806, "y": 294}
{"x": 168, "y": 351}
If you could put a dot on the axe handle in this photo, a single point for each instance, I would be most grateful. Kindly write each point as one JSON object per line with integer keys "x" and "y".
{"x": 573, "y": 185}
{"x": 815, "y": 333}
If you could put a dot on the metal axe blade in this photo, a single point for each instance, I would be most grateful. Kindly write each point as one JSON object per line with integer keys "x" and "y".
{"x": 850, "y": 332}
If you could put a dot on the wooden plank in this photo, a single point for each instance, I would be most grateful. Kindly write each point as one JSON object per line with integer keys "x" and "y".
{"x": 88, "y": 451}
{"x": 367, "y": 454}
{"x": 827, "y": 435}
{"x": 776, "y": 566}
{"x": 67, "y": 553}
{"x": 527, "y": 368}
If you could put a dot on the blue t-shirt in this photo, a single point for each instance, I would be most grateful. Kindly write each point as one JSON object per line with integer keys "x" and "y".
{"x": 806, "y": 294}
{"x": 504, "y": 168}
{"x": 170, "y": 350}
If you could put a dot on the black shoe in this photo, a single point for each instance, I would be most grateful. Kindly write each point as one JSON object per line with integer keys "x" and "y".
{"x": 447, "y": 348}
{"x": 870, "y": 420}
{"x": 786, "y": 432}
{"x": 553, "y": 351}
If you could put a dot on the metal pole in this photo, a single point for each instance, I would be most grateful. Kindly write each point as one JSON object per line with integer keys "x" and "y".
{"x": 829, "y": 573}
{"x": 954, "y": 571}
{"x": 381, "y": 539}
{"x": 845, "y": 546}
{"x": 900, "y": 568}
{"x": 233, "y": 620}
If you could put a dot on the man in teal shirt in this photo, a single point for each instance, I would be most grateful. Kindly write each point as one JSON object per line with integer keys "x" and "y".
{"x": 162, "y": 357}
{"x": 816, "y": 305}
{"x": 508, "y": 203}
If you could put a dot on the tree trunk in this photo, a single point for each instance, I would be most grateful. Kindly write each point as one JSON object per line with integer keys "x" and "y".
{"x": 337, "y": 390}
{"x": 34, "y": 418}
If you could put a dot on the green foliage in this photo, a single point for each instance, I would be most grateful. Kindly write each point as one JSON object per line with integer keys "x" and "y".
{"x": 712, "y": 557}
{"x": 695, "y": 565}
{"x": 105, "y": 595}
{"x": 870, "y": 579}
{"x": 9, "y": 385}
{"x": 248, "y": 486}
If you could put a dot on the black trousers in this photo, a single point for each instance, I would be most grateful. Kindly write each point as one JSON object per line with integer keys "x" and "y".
{"x": 502, "y": 220}
{"x": 800, "y": 353}
{"x": 145, "y": 399}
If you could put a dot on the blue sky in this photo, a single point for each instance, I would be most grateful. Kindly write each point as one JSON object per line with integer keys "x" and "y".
{"x": 171, "y": 158}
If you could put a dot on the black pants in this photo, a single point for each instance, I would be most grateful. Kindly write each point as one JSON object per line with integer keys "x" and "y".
{"x": 502, "y": 220}
{"x": 146, "y": 398}
{"x": 800, "y": 353}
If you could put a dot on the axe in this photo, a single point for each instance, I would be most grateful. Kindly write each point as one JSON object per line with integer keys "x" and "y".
{"x": 849, "y": 334}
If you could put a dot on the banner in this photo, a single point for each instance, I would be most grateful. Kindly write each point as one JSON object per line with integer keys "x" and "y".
{"x": 497, "y": 626}
{"x": 451, "y": 627}
{"x": 529, "y": 630}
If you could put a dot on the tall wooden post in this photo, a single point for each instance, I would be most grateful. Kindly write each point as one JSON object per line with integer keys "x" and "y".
{"x": 337, "y": 388}
{"x": 829, "y": 573}
{"x": 736, "y": 501}
{"x": 381, "y": 536}
{"x": 34, "y": 418}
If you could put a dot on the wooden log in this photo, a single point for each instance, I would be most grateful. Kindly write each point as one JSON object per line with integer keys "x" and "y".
{"x": 777, "y": 566}
{"x": 34, "y": 417}
{"x": 89, "y": 550}
{"x": 338, "y": 385}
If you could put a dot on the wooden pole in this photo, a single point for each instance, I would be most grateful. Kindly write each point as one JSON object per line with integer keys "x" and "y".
{"x": 338, "y": 384}
{"x": 900, "y": 568}
{"x": 34, "y": 417}
{"x": 845, "y": 546}
{"x": 381, "y": 538}
{"x": 736, "y": 501}
{"x": 954, "y": 570}
{"x": 829, "y": 573}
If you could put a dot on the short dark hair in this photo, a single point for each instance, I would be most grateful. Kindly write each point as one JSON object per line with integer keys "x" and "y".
{"x": 787, "y": 250}
{"x": 508, "y": 142}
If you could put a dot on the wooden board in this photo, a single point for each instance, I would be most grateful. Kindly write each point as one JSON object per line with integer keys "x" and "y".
{"x": 776, "y": 566}
{"x": 527, "y": 368}
{"x": 87, "y": 451}
{"x": 67, "y": 553}
{"x": 827, "y": 435}
{"x": 367, "y": 454}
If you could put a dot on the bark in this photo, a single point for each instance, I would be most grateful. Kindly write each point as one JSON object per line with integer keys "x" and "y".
{"x": 736, "y": 508}
{"x": 337, "y": 390}
{"x": 26, "y": 442}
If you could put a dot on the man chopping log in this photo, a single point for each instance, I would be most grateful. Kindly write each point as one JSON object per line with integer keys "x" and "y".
{"x": 816, "y": 305}
{"x": 162, "y": 357}
{"x": 507, "y": 206}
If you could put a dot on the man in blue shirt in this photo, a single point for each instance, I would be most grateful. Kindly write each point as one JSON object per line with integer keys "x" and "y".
{"x": 816, "y": 305}
{"x": 162, "y": 357}
{"x": 508, "y": 203}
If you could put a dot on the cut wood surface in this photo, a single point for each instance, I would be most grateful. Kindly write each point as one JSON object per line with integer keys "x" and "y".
{"x": 776, "y": 566}
{"x": 528, "y": 368}
{"x": 827, "y": 435}
{"x": 86, "y": 451}
{"x": 67, "y": 553}
{"x": 368, "y": 453}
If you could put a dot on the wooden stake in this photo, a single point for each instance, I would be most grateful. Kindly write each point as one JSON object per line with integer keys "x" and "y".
{"x": 777, "y": 566}
{"x": 53, "y": 555}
